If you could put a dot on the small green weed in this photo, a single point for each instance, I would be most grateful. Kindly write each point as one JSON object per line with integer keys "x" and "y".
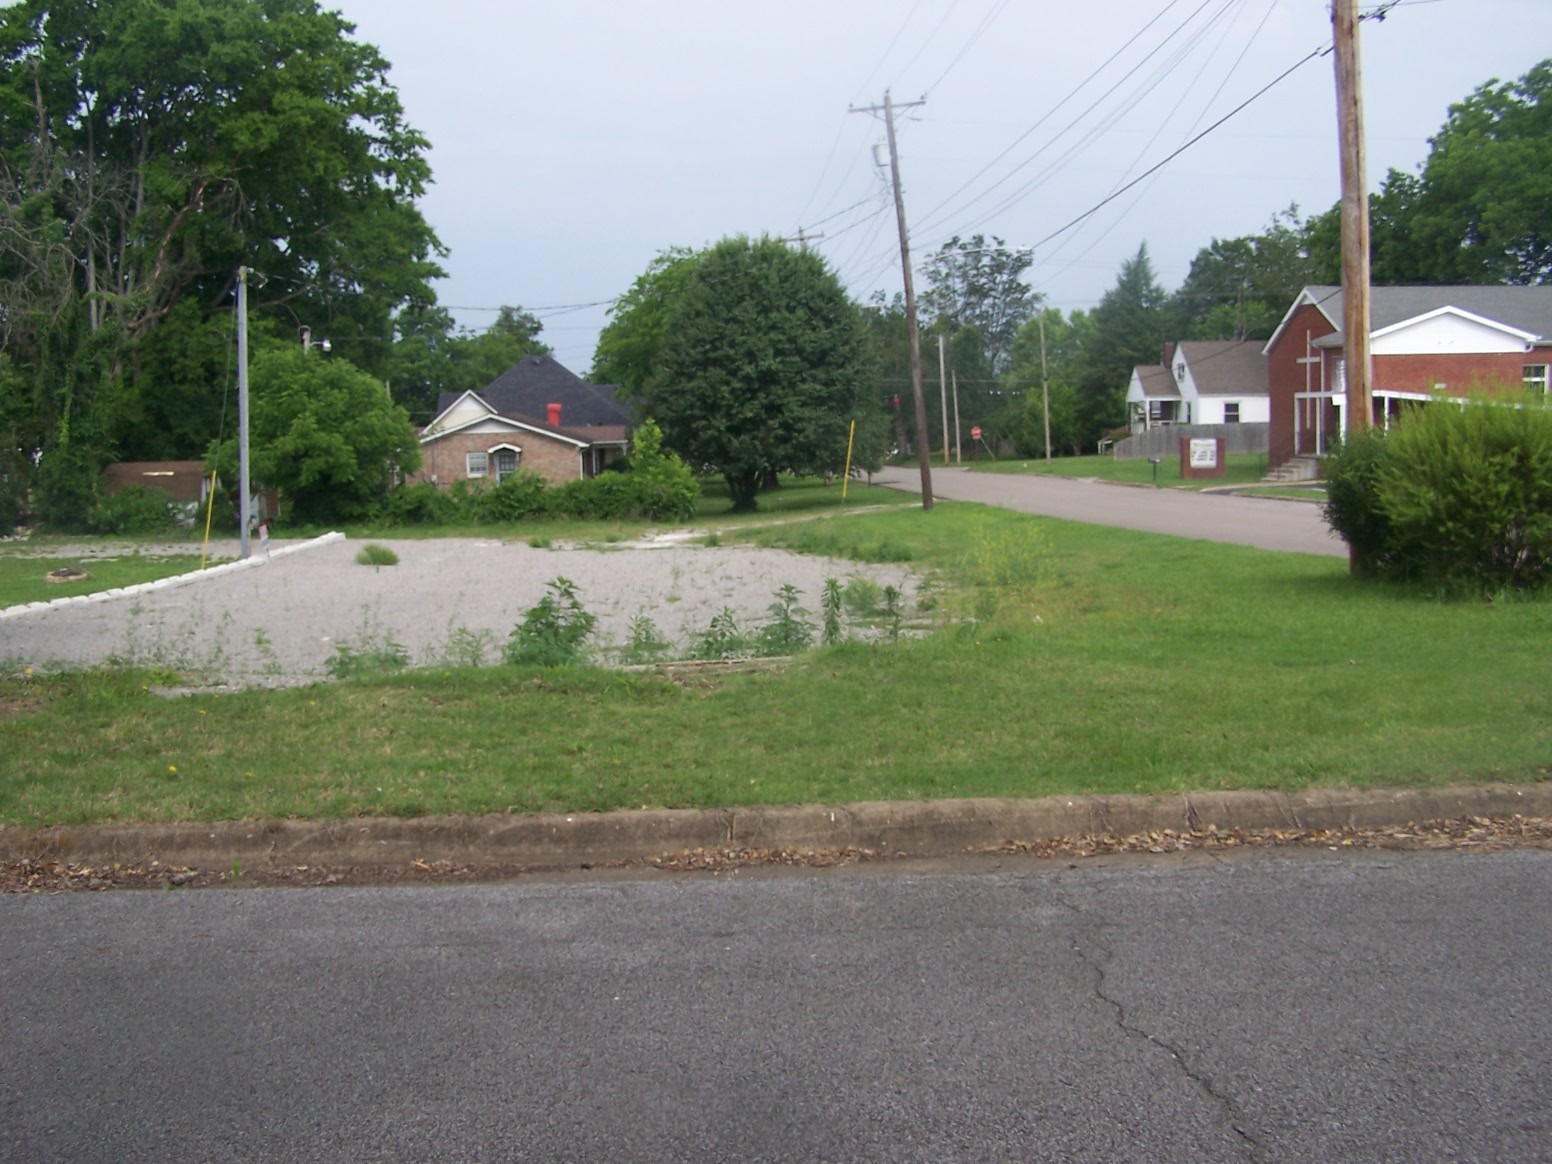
{"x": 645, "y": 643}
{"x": 554, "y": 631}
{"x": 376, "y": 556}
{"x": 723, "y": 638}
{"x": 830, "y": 600}
{"x": 787, "y": 632}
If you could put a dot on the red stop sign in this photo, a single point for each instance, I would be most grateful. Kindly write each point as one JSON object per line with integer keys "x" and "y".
{"x": 975, "y": 432}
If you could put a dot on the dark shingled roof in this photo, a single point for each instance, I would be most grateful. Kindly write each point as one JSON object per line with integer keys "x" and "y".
{"x": 1226, "y": 367}
{"x": 526, "y": 388}
{"x": 1526, "y": 308}
{"x": 1157, "y": 382}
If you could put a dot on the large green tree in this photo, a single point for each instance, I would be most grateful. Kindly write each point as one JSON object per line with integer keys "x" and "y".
{"x": 1128, "y": 328}
{"x": 631, "y": 345}
{"x": 1239, "y": 288}
{"x": 150, "y": 147}
{"x": 431, "y": 355}
{"x": 1020, "y": 417}
{"x": 323, "y": 433}
{"x": 1479, "y": 210}
{"x": 976, "y": 289}
{"x": 763, "y": 367}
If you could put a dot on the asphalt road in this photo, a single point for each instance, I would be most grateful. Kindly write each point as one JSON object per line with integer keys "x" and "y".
{"x": 1264, "y": 522}
{"x": 1334, "y": 1007}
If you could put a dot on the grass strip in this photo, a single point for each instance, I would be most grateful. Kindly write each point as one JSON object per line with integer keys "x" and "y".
{"x": 1098, "y": 660}
{"x": 23, "y": 579}
{"x": 1239, "y": 468}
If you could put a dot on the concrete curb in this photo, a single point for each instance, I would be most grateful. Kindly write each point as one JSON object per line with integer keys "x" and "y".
{"x": 928, "y": 828}
{"x": 169, "y": 583}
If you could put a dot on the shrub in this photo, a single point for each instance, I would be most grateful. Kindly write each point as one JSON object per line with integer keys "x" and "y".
{"x": 520, "y": 496}
{"x": 376, "y": 556}
{"x": 722, "y": 639}
{"x": 1458, "y": 498}
{"x": 645, "y": 644}
{"x": 554, "y": 630}
{"x": 422, "y": 504}
{"x": 135, "y": 510}
{"x": 787, "y": 632}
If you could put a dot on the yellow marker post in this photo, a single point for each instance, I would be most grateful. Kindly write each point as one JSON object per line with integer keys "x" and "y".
{"x": 846, "y": 480}
{"x": 210, "y": 509}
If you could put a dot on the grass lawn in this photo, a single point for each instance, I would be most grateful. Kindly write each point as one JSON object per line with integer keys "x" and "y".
{"x": 1242, "y": 468}
{"x": 1103, "y": 661}
{"x": 21, "y": 578}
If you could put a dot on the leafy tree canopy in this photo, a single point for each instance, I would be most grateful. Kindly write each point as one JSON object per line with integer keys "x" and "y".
{"x": 978, "y": 286}
{"x": 1128, "y": 328}
{"x": 323, "y": 433}
{"x": 763, "y": 366}
{"x": 431, "y": 355}
{"x": 1239, "y": 288}
{"x": 631, "y": 345}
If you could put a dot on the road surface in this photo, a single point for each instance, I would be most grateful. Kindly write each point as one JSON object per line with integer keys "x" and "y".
{"x": 1263, "y": 522}
{"x": 1334, "y": 1007}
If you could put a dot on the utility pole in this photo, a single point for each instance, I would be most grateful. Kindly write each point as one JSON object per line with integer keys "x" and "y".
{"x": 958, "y": 455}
{"x": 924, "y": 453}
{"x": 802, "y": 239}
{"x": 1045, "y": 389}
{"x": 1358, "y": 367}
{"x": 243, "y": 503}
{"x": 943, "y": 393}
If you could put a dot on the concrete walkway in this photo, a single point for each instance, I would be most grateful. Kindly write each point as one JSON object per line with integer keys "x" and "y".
{"x": 1264, "y": 522}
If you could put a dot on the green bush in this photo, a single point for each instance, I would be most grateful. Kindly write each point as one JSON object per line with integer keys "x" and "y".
{"x": 422, "y": 504}
{"x": 554, "y": 630}
{"x": 1458, "y": 498}
{"x": 375, "y": 556}
{"x": 135, "y": 510}
{"x": 521, "y": 496}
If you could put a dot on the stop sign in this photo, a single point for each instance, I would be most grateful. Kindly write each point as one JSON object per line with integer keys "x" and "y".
{"x": 975, "y": 432}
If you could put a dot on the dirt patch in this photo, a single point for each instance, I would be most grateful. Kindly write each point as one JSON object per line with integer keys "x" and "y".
{"x": 448, "y": 601}
{"x": 1467, "y": 834}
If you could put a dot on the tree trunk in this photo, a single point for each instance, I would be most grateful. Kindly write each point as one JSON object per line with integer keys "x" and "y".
{"x": 744, "y": 489}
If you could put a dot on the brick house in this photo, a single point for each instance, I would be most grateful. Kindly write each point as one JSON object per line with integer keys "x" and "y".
{"x": 536, "y": 416}
{"x": 1426, "y": 341}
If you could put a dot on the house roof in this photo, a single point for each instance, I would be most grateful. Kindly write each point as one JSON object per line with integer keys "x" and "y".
{"x": 526, "y": 389}
{"x": 1157, "y": 382}
{"x": 1527, "y": 309}
{"x": 1225, "y": 367}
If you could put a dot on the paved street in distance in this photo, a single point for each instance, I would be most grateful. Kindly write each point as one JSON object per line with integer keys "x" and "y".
{"x": 1334, "y": 1007}
{"x": 1263, "y": 522}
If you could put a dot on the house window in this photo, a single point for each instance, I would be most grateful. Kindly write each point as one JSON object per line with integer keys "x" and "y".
{"x": 1536, "y": 379}
{"x": 477, "y": 464}
{"x": 506, "y": 463}
{"x": 1231, "y": 412}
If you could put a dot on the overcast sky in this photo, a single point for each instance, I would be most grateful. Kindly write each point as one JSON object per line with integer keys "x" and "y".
{"x": 572, "y": 142}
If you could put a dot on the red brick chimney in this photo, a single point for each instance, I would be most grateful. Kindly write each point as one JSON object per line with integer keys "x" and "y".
{"x": 1168, "y": 353}
{"x": 554, "y": 413}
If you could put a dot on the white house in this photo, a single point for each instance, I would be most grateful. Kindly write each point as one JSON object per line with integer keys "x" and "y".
{"x": 1201, "y": 382}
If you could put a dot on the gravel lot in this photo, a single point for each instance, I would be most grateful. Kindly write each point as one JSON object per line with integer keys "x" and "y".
{"x": 278, "y": 624}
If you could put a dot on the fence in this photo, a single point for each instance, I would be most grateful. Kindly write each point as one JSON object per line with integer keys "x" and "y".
{"x": 1165, "y": 441}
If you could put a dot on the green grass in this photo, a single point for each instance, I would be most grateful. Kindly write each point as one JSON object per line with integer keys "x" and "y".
{"x": 22, "y": 579}
{"x": 1107, "y": 661}
{"x": 1241, "y": 468}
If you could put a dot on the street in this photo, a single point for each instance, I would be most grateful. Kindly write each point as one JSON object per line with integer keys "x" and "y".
{"x": 1266, "y": 523}
{"x": 1326, "y": 1007}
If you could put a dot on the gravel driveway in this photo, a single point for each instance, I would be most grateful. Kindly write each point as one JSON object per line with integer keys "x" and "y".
{"x": 279, "y": 623}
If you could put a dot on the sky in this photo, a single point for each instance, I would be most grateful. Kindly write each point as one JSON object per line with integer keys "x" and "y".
{"x": 573, "y": 142}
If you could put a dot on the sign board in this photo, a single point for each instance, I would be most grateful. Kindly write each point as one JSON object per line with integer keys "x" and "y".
{"x": 975, "y": 432}
{"x": 1202, "y": 457}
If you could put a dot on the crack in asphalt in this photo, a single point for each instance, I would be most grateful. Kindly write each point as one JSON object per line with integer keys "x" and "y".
{"x": 1082, "y": 928}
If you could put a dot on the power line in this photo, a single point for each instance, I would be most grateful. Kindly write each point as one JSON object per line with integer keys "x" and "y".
{"x": 986, "y": 22}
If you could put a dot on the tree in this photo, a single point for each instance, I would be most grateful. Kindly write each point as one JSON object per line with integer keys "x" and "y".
{"x": 150, "y": 147}
{"x": 323, "y": 433}
{"x": 630, "y": 347}
{"x": 431, "y": 356}
{"x": 1239, "y": 288}
{"x": 1020, "y": 419}
{"x": 979, "y": 287}
{"x": 1128, "y": 328}
{"x": 1480, "y": 208}
{"x": 763, "y": 366}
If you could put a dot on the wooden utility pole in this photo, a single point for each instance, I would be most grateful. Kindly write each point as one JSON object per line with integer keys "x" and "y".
{"x": 924, "y": 453}
{"x": 943, "y": 392}
{"x": 1045, "y": 388}
{"x": 243, "y": 500}
{"x": 1358, "y": 367}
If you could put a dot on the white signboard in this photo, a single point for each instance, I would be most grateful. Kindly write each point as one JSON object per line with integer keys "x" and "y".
{"x": 1204, "y": 454}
